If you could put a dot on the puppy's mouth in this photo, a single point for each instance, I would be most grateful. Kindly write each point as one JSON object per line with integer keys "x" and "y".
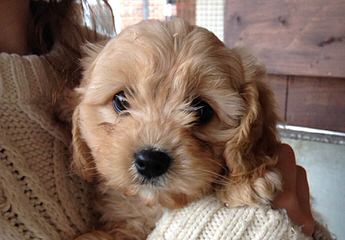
{"x": 151, "y": 166}
{"x": 157, "y": 182}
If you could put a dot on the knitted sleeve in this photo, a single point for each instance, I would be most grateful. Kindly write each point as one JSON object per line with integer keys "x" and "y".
{"x": 208, "y": 219}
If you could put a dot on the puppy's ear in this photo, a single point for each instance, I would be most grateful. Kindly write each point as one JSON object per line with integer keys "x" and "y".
{"x": 250, "y": 154}
{"x": 90, "y": 52}
{"x": 82, "y": 162}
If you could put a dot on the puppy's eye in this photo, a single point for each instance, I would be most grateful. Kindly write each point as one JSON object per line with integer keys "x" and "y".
{"x": 120, "y": 102}
{"x": 203, "y": 111}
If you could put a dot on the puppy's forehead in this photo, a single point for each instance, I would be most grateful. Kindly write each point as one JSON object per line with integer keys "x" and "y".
{"x": 155, "y": 56}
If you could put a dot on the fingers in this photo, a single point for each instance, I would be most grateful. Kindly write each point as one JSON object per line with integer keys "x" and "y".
{"x": 287, "y": 167}
{"x": 302, "y": 188}
{"x": 287, "y": 153}
{"x": 295, "y": 195}
{"x": 304, "y": 201}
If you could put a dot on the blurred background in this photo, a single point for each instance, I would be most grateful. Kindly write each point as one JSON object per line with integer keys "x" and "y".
{"x": 302, "y": 44}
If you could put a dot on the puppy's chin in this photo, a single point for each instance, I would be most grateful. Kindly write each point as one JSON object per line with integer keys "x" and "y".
{"x": 160, "y": 193}
{"x": 164, "y": 198}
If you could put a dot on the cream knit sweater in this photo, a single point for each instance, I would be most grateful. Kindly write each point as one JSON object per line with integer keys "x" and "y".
{"x": 39, "y": 197}
{"x": 209, "y": 219}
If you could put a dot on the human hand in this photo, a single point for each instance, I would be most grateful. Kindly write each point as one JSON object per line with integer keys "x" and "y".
{"x": 295, "y": 195}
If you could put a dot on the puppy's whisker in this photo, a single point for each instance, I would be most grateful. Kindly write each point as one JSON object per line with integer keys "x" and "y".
{"x": 87, "y": 168}
{"x": 222, "y": 167}
{"x": 214, "y": 173}
{"x": 72, "y": 172}
{"x": 91, "y": 170}
{"x": 218, "y": 177}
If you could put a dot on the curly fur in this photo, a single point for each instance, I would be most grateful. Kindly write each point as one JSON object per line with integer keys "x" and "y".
{"x": 162, "y": 67}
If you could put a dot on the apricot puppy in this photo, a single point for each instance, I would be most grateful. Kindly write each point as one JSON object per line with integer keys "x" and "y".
{"x": 167, "y": 114}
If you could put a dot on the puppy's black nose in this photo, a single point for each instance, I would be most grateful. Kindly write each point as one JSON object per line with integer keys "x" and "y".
{"x": 151, "y": 162}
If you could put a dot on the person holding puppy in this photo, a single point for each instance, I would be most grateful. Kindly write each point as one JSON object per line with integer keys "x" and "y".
{"x": 40, "y": 198}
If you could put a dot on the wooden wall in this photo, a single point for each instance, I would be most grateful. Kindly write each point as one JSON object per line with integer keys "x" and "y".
{"x": 302, "y": 44}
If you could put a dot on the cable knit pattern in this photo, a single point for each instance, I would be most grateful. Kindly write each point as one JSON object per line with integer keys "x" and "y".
{"x": 39, "y": 197}
{"x": 209, "y": 219}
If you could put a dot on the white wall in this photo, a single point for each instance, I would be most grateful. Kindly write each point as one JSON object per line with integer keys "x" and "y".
{"x": 325, "y": 165}
{"x": 210, "y": 15}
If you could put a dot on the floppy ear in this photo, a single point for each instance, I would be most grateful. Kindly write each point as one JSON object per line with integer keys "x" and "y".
{"x": 250, "y": 154}
{"x": 90, "y": 52}
{"x": 83, "y": 163}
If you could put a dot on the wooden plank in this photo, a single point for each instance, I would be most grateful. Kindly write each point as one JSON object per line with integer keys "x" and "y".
{"x": 317, "y": 103}
{"x": 278, "y": 84}
{"x": 291, "y": 37}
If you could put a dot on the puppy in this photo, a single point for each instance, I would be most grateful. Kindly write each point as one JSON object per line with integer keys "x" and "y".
{"x": 167, "y": 114}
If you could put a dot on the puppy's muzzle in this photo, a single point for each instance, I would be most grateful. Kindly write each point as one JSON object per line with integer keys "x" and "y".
{"x": 151, "y": 163}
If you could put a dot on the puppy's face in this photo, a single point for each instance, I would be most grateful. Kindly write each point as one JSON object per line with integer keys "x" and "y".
{"x": 158, "y": 106}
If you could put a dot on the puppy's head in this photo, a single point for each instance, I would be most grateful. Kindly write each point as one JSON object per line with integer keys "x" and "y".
{"x": 166, "y": 110}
